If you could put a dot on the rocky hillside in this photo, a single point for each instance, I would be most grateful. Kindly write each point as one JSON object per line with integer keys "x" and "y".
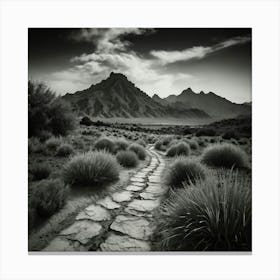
{"x": 212, "y": 104}
{"x": 118, "y": 97}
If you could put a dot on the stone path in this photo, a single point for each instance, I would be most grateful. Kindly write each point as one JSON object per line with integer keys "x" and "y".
{"x": 122, "y": 221}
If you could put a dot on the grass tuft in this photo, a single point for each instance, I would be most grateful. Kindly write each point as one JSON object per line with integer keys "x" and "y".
{"x": 48, "y": 197}
{"x": 138, "y": 150}
{"x": 91, "y": 169}
{"x": 225, "y": 156}
{"x": 105, "y": 143}
{"x": 211, "y": 215}
{"x": 127, "y": 159}
{"x": 183, "y": 171}
{"x": 179, "y": 149}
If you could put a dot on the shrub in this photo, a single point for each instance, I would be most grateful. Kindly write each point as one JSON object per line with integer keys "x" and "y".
{"x": 179, "y": 149}
{"x": 106, "y": 144}
{"x": 40, "y": 171}
{"x": 183, "y": 170}
{"x": 44, "y": 135}
{"x": 211, "y": 215}
{"x": 47, "y": 112}
{"x": 158, "y": 145}
{"x": 86, "y": 121}
{"x": 225, "y": 155}
{"x": 206, "y": 132}
{"x": 64, "y": 150}
{"x": 91, "y": 169}
{"x": 193, "y": 144}
{"x": 48, "y": 197}
{"x": 34, "y": 145}
{"x": 141, "y": 142}
{"x": 127, "y": 158}
{"x": 230, "y": 134}
{"x": 121, "y": 145}
{"x": 53, "y": 143}
{"x": 39, "y": 98}
{"x": 61, "y": 117}
{"x": 166, "y": 140}
{"x": 138, "y": 150}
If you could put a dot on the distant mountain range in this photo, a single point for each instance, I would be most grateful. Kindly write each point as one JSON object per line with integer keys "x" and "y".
{"x": 118, "y": 97}
{"x": 211, "y": 103}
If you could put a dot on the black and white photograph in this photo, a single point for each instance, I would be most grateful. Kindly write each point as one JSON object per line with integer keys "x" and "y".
{"x": 139, "y": 140}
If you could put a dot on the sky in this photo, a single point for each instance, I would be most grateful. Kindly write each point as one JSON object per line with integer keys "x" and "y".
{"x": 160, "y": 61}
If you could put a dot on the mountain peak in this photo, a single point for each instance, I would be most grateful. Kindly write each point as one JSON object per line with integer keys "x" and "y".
{"x": 117, "y": 76}
{"x": 188, "y": 91}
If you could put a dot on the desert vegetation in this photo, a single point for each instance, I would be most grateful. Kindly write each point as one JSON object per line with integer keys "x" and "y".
{"x": 207, "y": 215}
{"x": 207, "y": 174}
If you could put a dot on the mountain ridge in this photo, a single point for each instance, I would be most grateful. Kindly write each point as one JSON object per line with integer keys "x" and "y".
{"x": 211, "y": 103}
{"x": 116, "y": 96}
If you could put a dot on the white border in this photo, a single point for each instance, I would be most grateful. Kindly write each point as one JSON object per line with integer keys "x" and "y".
{"x": 17, "y": 16}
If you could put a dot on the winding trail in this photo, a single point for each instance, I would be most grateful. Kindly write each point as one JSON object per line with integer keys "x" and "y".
{"x": 122, "y": 221}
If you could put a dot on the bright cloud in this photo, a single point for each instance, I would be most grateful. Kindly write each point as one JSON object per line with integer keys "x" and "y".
{"x": 112, "y": 54}
{"x": 166, "y": 57}
{"x": 108, "y": 39}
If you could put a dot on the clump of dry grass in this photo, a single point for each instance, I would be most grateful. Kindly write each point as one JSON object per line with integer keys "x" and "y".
{"x": 179, "y": 149}
{"x": 48, "y": 197}
{"x": 64, "y": 150}
{"x": 127, "y": 159}
{"x": 91, "y": 169}
{"x": 183, "y": 171}
{"x": 138, "y": 150}
{"x": 105, "y": 143}
{"x": 225, "y": 155}
{"x": 211, "y": 215}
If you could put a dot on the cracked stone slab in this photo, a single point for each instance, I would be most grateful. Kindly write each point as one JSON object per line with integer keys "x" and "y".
{"x": 139, "y": 184}
{"x": 82, "y": 231}
{"x": 122, "y": 196}
{"x": 60, "y": 244}
{"x": 137, "y": 213}
{"x": 136, "y": 179}
{"x": 134, "y": 188}
{"x": 108, "y": 203}
{"x": 148, "y": 195}
{"x": 155, "y": 189}
{"x": 154, "y": 179}
{"x": 136, "y": 227}
{"x": 140, "y": 175}
{"x": 124, "y": 243}
{"x": 143, "y": 205}
{"x": 94, "y": 213}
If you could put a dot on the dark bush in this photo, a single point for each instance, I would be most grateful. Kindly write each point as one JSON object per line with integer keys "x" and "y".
{"x": 61, "y": 117}
{"x": 206, "y": 132}
{"x": 47, "y": 112}
{"x": 48, "y": 197}
{"x": 225, "y": 156}
{"x": 40, "y": 171}
{"x": 138, "y": 150}
{"x": 127, "y": 159}
{"x": 91, "y": 169}
{"x": 106, "y": 144}
{"x": 158, "y": 145}
{"x": 86, "y": 121}
{"x": 183, "y": 170}
{"x": 121, "y": 145}
{"x": 179, "y": 149}
{"x": 230, "y": 134}
{"x": 64, "y": 150}
{"x": 211, "y": 215}
{"x": 53, "y": 143}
